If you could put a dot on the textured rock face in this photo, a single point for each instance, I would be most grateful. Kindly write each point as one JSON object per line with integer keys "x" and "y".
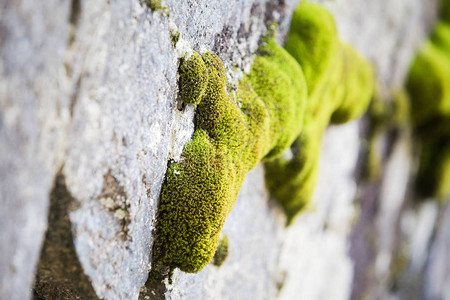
{"x": 33, "y": 114}
{"x": 119, "y": 140}
{"x": 68, "y": 106}
{"x": 88, "y": 91}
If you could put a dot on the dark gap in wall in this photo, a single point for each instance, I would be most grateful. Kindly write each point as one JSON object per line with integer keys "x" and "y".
{"x": 75, "y": 12}
{"x": 153, "y": 289}
{"x": 59, "y": 273}
{"x": 74, "y": 17}
{"x": 74, "y": 96}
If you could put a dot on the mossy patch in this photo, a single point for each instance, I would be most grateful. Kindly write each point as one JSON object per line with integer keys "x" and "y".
{"x": 175, "y": 35}
{"x": 340, "y": 86}
{"x": 232, "y": 135}
{"x": 193, "y": 79}
{"x": 285, "y": 100}
{"x": 221, "y": 253}
{"x": 156, "y": 5}
{"x": 428, "y": 85}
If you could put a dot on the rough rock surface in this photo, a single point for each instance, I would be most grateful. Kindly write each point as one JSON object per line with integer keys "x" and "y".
{"x": 88, "y": 91}
{"x": 34, "y": 101}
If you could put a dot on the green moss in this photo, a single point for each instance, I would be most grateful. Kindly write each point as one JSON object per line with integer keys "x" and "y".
{"x": 402, "y": 108}
{"x": 312, "y": 41}
{"x": 221, "y": 253}
{"x": 441, "y": 36}
{"x": 430, "y": 93}
{"x": 193, "y": 79}
{"x": 175, "y": 37}
{"x": 357, "y": 82}
{"x": 231, "y": 137}
{"x": 156, "y": 5}
{"x": 270, "y": 111}
{"x": 434, "y": 166}
{"x": 340, "y": 85}
{"x": 428, "y": 85}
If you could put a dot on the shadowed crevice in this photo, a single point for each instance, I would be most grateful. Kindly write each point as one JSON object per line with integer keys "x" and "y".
{"x": 59, "y": 273}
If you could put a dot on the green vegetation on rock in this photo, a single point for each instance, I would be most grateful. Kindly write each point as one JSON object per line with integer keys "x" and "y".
{"x": 275, "y": 106}
{"x": 428, "y": 85}
{"x": 221, "y": 252}
{"x": 340, "y": 86}
{"x": 156, "y": 5}
{"x": 175, "y": 35}
{"x": 231, "y": 137}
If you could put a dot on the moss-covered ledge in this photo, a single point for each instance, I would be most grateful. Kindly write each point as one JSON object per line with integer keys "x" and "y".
{"x": 286, "y": 99}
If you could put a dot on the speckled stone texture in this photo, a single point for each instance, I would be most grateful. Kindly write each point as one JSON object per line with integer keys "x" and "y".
{"x": 34, "y": 116}
{"x": 88, "y": 91}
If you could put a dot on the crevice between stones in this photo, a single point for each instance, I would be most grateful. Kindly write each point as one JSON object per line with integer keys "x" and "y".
{"x": 59, "y": 272}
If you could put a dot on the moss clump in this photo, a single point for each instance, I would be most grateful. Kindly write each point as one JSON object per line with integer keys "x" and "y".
{"x": 429, "y": 87}
{"x": 175, "y": 37}
{"x": 430, "y": 93}
{"x": 340, "y": 86}
{"x": 156, "y": 5}
{"x": 193, "y": 79}
{"x": 231, "y": 137}
{"x": 221, "y": 252}
{"x": 275, "y": 106}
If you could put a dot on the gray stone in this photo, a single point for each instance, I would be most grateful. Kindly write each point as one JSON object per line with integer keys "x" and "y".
{"x": 314, "y": 257}
{"x": 119, "y": 139}
{"x": 34, "y": 100}
{"x": 88, "y": 90}
{"x": 437, "y": 277}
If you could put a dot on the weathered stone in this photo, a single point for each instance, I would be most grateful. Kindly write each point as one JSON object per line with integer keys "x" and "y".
{"x": 88, "y": 91}
{"x": 34, "y": 115}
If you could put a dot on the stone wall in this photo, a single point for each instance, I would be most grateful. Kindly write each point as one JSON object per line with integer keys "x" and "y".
{"x": 89, "y": 119}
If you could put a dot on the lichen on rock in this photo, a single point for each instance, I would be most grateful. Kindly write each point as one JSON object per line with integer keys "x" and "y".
{"x": 156, "y": 5}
